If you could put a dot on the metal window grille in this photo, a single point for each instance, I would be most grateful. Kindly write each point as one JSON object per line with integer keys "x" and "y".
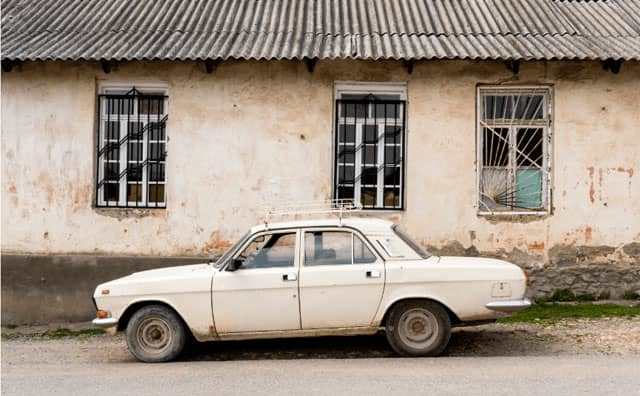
{"x": 369, "y": 151}
{"x": 514, "y": 133}
{"x": 131, "y": 150}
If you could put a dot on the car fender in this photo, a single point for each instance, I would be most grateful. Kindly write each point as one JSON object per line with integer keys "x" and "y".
{"x": 389, "y": 301}
{"x": 196, "y": 317}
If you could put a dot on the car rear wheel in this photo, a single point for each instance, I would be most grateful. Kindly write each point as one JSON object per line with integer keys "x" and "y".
{"x": 418, "y": 328}
{"x": 155, "y": 334}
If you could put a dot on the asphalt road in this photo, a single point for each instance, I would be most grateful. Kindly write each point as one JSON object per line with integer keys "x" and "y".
{"x": 352, "y": 366}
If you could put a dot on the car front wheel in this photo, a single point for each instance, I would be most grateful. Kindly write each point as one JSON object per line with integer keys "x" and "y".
{"x": 155, "y": 334}
{"x": 418, "y": 328}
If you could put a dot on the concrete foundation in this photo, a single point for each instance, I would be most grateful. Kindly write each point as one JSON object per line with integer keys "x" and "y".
{"x": 38, "y": 289}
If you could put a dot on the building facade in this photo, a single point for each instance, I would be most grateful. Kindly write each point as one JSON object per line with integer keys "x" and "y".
{"x": 116, "y": 165}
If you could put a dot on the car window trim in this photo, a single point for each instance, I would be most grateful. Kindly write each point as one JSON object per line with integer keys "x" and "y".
{"x": 256, "y": 234}
{"x": 250, "y": 237}
{"x": 419, "y": 250}
{"x": 354, "y": 231}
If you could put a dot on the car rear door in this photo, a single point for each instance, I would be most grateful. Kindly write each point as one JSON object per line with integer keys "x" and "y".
{"x": 262, "y": 294}
{"x": 341, "y": 279}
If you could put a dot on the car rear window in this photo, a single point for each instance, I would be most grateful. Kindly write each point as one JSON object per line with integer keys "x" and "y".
{"x": 391, "y": 246}
{"x": 409, "y": 241}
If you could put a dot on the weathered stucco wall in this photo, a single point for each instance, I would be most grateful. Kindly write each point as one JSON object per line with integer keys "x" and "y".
{"x": 257, "y": 132}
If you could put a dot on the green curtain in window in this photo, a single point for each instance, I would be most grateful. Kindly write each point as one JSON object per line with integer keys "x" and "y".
{"x": 529, "y": 188}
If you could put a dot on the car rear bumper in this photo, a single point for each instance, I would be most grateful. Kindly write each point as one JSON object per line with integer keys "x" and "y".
{"x": 105, "y": 323}
{"x": 509, "y": 305}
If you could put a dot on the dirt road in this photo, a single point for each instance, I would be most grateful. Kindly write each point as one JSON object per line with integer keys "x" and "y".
{"x": 575, "y": 357}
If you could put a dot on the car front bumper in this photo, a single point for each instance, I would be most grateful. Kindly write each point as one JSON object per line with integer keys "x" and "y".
{"x": 509, "y": 305}
{"x": 105, "y": 323}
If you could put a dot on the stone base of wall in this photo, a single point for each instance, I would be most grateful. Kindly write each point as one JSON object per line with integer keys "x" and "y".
{"x": 599, "y": 271}
{"x": 38, "y": 289}
{"x": 58, "y": 288}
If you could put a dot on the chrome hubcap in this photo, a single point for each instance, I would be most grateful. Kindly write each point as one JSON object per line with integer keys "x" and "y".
{"x": 154, "y": 334}
{"x": 418, "y": 328}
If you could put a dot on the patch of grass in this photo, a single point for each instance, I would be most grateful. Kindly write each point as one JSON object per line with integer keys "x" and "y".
{"x": 549, "y": 312}
{"x": 585, "y": 297}
{"x": 563, "y": 295}
{"x": 567, "y": 295}
{"x": 56, "y": 333}
{"x": 631, "y": 295}
{"x": 9, "y": 336}
{"x": 64, "y": 332}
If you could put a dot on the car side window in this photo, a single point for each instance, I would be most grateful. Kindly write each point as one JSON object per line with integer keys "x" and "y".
{"x": 327, "y": 248}
{"x": 335, "y": 248}
{"x": 269, "y": 250}
{"x": 361, "y": 253}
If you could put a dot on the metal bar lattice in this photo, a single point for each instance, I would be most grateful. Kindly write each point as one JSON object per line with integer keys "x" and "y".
{"x": 369, "y": 152}
{"x": 131, "y": 150}
{"x": 514, "y": 170}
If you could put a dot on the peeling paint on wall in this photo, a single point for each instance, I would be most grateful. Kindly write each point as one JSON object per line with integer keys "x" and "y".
{"x": 216, "y": 244}
{"x": 262, "y": 131}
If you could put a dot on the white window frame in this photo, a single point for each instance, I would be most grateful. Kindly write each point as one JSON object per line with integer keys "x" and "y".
{"x": 120, "y": 88}
{"x": 376, "y": 88}
{"x": 547, "y": 159}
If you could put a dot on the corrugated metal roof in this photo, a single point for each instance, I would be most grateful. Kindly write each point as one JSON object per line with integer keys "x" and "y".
{"x": 296, "y": 29}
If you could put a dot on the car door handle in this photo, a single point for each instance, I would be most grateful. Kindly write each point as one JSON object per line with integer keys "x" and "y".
{"x": 289, "y": 277}
{"x": 373, "y": 274}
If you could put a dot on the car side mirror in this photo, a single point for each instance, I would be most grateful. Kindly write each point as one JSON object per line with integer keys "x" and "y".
{"x": 235, "y": 264}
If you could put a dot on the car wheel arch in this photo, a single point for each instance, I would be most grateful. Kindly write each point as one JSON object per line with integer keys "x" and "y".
{"x": 452, "y": 315}
{"x": 135, "y": 306}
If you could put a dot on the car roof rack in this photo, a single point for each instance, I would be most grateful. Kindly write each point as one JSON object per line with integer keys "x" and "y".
{"x": 339, "y": 207}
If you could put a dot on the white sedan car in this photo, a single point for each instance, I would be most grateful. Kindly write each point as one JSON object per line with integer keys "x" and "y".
{"x": 311, "y": 278}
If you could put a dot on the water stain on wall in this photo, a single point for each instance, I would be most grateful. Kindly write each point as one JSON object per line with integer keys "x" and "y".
{"x": 216, "y": 244}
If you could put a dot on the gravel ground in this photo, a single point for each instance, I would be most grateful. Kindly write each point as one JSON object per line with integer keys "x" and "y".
{"x": 617, "y": 336}
{"x": 574, "y": 356}
{"x": 609, "y": 336}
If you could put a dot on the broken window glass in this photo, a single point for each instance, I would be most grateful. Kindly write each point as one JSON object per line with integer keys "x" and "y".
{"x": 514, "y": 163}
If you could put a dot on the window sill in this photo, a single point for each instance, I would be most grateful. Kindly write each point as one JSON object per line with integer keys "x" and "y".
{"x": 381, "y": 210}
{"x": 513, "y": 217}
{"x": 128, "y": 212}
{"x": 507, "y": 214}
{"x": 141, "y": 207}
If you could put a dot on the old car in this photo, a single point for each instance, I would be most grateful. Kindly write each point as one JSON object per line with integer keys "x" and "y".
{"x": 331, "y": 276}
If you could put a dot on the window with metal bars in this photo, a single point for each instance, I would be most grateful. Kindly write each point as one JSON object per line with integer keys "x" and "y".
{"x": 131, "y": 148}
{"x": 514, "y": 153}
{"x": 369, "y": 146}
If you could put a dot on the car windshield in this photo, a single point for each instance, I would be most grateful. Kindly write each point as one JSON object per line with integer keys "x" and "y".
{"x": 409, "y": 241}
{"x": 225, "y": 256}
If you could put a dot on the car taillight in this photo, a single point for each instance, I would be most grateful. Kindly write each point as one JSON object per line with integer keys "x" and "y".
{"x": 101, "y": 314}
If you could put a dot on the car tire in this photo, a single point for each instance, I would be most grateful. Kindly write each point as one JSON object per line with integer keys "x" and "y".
{"x": 155, "y": 334}
{"x": 418, "y": 328}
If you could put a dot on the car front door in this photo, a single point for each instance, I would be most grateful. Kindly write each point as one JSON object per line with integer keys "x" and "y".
{"x": 259, "y": 293}
{"x": 341, "y": 280}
